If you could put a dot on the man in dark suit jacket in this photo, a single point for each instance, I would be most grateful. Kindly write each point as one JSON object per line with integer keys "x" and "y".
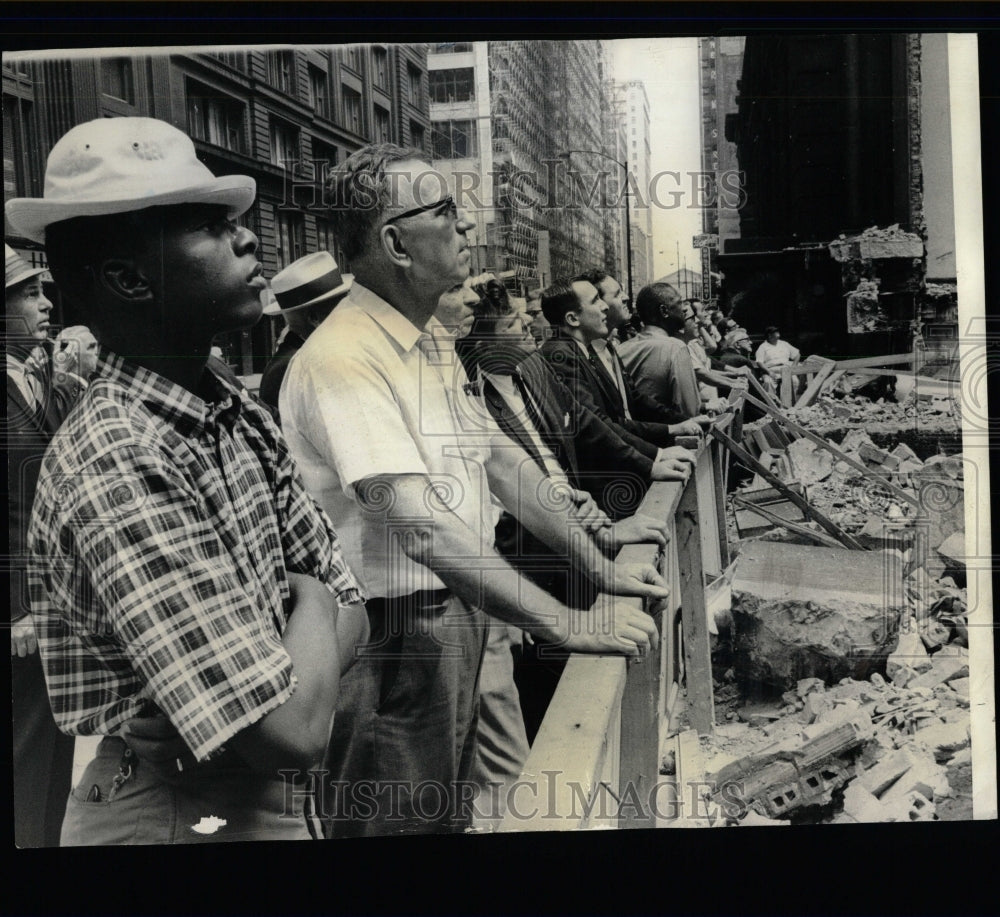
{"x": 38, "y": 400}
{"x": 578, "y": 317}
{"x": 565, "y": 439}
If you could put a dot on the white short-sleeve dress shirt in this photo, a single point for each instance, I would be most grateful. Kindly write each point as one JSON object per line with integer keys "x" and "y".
{"x": 370, "y": 394}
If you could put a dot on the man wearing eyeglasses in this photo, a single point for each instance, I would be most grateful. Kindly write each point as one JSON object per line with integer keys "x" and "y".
{"x": 393, "y": 445}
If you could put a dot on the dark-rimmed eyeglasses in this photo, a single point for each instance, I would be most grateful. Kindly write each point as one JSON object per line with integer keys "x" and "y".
{"x": 445, "y": 205}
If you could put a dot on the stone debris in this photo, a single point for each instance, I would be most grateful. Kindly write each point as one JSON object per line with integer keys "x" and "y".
{"x": 928, "y": 407}
{"x": 877, "y": 636}
{"x": 910, "y": 658}
{"x": 899, "y": 771}
{"x": 802, "y": 611}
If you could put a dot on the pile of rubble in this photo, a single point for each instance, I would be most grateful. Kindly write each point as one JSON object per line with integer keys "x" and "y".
{"x": 846, "y": 697}
{"x": 934, "y": 410}
{"x": 876, "y": 243}
{"x": 889, "y": 741}
{"x": 860, "y": 505}
{"x": 859, "y": 751}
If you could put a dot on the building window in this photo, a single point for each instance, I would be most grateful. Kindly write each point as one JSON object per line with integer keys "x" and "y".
{"x": 281, "y": 71}
{"x": 291, "y": 237}
{"x": 324, "y": 159}
{"x": 381, "y": 125}
{"x": 215, "y": 118}
{"x": 328, "y": 242}
{"x": 352, "y": 110}
{"x": 237, "y": 60}
{"x": 453, "y": 139}
{"x": 414, "y": 79}
{"x": 452, "y": 47}
{"x": 318, "y": 97}
{"x": 380, "y": 68}
{"x": 16, "y": 67}
{"x": 457, "y": 85}
{"x": 16, "y": 158}
{"x": 417, "y": 135}
{"x": 284, "y": 144}
{"x": 354, "y": 58}
{"x": 117, "y": 80}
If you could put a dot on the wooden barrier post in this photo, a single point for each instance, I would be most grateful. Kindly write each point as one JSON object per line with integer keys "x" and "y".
{"x": 601, "y": 736}
{"x": 787, "y": 386}
{"x": 697, "y": 653}
{"x": 643, "y": 700}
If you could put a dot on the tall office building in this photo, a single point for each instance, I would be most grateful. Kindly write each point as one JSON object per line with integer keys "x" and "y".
{"x": 522, "y": 127}
{"x": 639, "y": 153}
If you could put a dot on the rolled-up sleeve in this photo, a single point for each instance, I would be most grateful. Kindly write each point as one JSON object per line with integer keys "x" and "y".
{"x": 350, "y": 394}
{"x": 163, "y": 588}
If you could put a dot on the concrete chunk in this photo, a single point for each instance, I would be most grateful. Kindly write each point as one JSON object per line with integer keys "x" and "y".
{"x": 947, "y": 664}
{"x": 914, "y": 806}
{"x": 926, "y": 777}
{"x": 813, "y": 612}
{"x": 861, "y": 805}
{"x": 871, "y": 454}
{"x": 953, "y": 548}
{"x": 909, "y": 658}
{"x": 884, "y": 774}
{"x": 943, "y": 739}
{"x": 905, "y": 453}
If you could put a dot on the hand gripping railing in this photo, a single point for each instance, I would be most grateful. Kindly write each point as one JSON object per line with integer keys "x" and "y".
{"x": 595, "y": 761}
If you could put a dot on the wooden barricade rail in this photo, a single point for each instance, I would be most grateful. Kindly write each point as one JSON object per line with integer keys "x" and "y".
{"x": 595, "y": 761}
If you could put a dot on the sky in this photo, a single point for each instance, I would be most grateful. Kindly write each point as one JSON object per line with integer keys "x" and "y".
{"x": 669, "y": 69}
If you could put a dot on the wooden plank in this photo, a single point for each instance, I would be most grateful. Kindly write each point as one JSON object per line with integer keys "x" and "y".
{"x": 763, "y": 444}
{"x": 720, "y": 469}
{"x": 864, "y": 362}
{"x": 744, "y": 456}
{"x": 875, "y": 371}
{"x": 641, "y": 721}
{"x": 761, "y": 390}
{"x": 689, "y": 779}
{"x": 896, "y": 491}
{"x": 785, "y": 390}
{"x": 812, "y": 390}
{"x": 697, "y": 652}
{"x": 834, "y": 378}
{"x": 806, "y": 532}
{"x": 708, "y": 529}
{"x": 563, "y": 773}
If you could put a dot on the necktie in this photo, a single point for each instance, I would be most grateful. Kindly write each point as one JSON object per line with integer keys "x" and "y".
{"x": 619, "y": 378}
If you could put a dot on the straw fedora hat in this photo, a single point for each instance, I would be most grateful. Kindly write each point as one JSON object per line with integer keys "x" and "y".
{"x": 117, "y": 165}
{"x": 312, "y": 279}
{"x": 17, "y": 269}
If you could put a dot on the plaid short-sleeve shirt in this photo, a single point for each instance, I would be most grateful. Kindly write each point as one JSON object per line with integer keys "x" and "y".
{"x": 162, "y": 531}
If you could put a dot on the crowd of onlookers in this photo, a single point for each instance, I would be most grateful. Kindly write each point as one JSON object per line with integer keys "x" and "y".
{"x": 339, "y": 607}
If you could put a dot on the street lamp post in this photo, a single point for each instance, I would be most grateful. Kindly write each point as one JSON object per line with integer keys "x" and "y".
{"x": 628, "y": 220}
